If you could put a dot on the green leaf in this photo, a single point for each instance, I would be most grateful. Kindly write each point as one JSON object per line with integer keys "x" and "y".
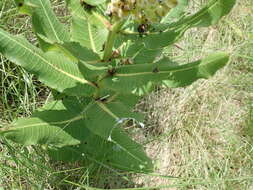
{"x": 51, "y": 68}
{"x": 88, "y": 35}
{"x": 129, "y": 78}
{"x": 84, "y": 30}
{"x": 104, "y": 119}
{"x": 138, "y": 54}
{"x": 105, "y": 142}
{"x": 106, "y": 153}
{"x": 81, "y": 53}
{"x": 176, "y": 12}
{"x": 46, "y": 24}
{"x": 208, "y": 15}
{"x": 54, "y": 124}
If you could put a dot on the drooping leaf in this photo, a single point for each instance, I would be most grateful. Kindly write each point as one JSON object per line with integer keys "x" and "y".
{"x": 129, "y": 78}
{"x": 209, "y": 14}
{"x": 106, "y": 153}
{"x": 63, "y": 127}
{"x": 54, "y": 124}
{"x": 53, "y": 69}
{"x": 45, "y": 23}
{"x": 62, "y": 123}
{"x": 104, "y": 119}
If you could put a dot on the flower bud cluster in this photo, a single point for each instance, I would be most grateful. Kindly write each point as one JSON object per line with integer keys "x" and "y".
{"x": 141, "y": 10}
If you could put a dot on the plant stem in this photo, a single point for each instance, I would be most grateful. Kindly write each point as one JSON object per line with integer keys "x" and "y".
{"x": 111, "y": 39}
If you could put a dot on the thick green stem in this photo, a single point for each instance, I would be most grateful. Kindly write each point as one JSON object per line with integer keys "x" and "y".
{"x": 111, "y": 39}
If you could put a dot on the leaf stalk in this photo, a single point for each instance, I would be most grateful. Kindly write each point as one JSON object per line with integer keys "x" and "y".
{"x": 111, "y": 39}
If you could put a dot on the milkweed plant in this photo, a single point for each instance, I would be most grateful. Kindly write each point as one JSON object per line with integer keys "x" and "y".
{"x": 99, "y": 67}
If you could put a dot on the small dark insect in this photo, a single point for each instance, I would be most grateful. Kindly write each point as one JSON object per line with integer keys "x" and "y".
{"x": 103, "y": 47}
{"x": 20, "y": 4}
{"x": 102, "y": 99}
{"x": 155, "y": 70}
{"x": 110, "y": 14}
{"x": 111, "y": 71}
{"x": 142, "y": 29}
{"x": 86, "y": 6}
{"x": 95, "y": 84}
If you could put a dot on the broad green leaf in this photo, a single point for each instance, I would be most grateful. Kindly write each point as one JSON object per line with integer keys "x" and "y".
{"x": 54, "y": 124}
{"x": 93, "y": 72}
{"x": 208, "y": 15}
{"x": 84, "y": 30}
{"x": 129, "y": 78}
{"x": 104, "y": 119}
{"x": 64, "y": 123}
{"x": 81, "y": 53}
{"x": 106, "y": 153}
{"x": 138, "y": 54}
{"x": 87, "y": 35}
{"x": 45, "y": 23}
{"x": 53, "y": 69}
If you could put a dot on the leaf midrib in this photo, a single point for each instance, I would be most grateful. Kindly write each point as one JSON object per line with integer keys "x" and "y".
{"x": 162, "y": 72}
{"x": 92, "y": 43}
{"x": 49, "y": 123}
{"x": 200, "y": 15}
{"x": 50, "y": 23}
{"x": 108, "y": 111}
{"x": 47, "y": 62}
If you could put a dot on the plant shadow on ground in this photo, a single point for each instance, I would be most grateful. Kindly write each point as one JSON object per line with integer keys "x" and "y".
{"x": 200, "y": 133}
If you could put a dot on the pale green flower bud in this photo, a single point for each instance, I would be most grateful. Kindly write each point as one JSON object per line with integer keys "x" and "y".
{"x": 140, "y": 10}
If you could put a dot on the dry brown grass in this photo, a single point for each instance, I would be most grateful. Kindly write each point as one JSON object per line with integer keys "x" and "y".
{"x": 198, "y": 133}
